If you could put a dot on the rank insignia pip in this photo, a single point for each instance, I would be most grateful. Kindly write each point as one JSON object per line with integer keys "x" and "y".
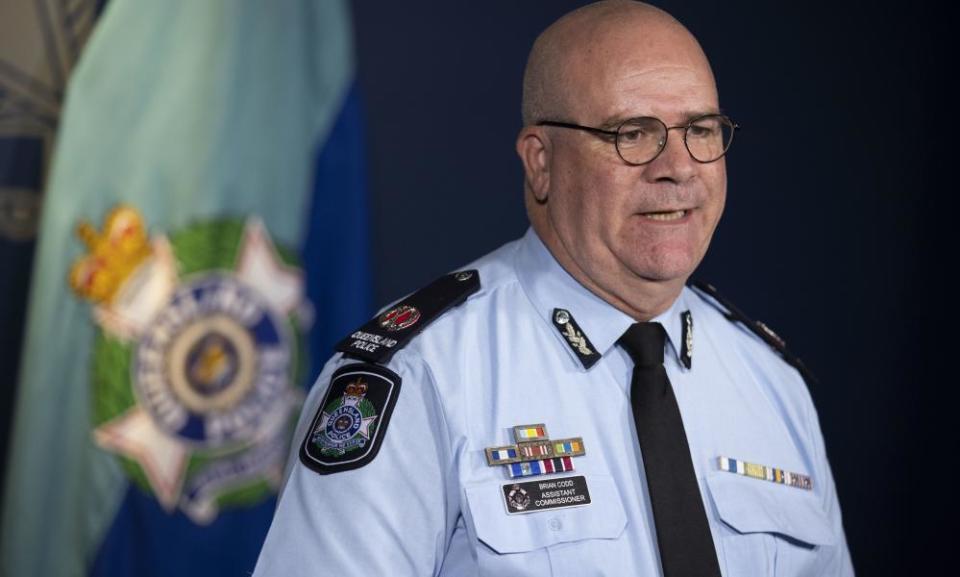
{"x": 765, "y": 473}
{"x": 534, "y": 453}
{"x": 399, "y": 318}
{"x": 352, "y": 419}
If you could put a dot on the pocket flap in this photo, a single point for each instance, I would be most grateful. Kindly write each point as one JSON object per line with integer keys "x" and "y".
{"x": 755, "y": 506}
{"x": 603, "y": 518}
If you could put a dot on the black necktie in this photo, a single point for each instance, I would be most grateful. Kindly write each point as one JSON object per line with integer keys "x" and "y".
{"x": 683, "y": 534}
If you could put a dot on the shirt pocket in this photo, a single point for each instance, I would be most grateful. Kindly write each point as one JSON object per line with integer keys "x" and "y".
{"x": 537, "y": 543}
{"x": 773, "y": 529}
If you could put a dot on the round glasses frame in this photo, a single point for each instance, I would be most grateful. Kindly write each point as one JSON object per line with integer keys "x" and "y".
{"x": 616, "y": 134}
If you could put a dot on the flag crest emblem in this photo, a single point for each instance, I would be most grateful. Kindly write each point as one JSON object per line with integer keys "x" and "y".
{"x": 196, "y": 356}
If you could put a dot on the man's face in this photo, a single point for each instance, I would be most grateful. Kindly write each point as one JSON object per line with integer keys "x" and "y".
{"x": 620, "y": 223}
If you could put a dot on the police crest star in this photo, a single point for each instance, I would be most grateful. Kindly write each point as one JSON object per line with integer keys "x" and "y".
{"x": 351, "y": 419}
{"x": 350, "y": 422}
{"x": 260, "y": 266}
{"x": 207, "y": 357}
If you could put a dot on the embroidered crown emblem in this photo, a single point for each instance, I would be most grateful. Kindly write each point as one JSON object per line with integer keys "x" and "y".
{"x": 357, "y": 388}
{"x": 113, "y": 255}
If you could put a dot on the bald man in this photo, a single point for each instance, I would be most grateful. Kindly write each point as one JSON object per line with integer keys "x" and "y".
{"x": 566, "y": 405}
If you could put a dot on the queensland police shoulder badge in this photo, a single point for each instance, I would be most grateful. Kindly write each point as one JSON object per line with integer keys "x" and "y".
{"x": 352, "y": 419}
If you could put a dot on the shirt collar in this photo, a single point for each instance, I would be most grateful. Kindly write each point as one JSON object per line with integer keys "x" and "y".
{"x": 549, "y": 286}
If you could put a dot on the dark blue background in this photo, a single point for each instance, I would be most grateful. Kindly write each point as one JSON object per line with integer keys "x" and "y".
{"x": 838, "y": 229}
{"x": 835, "y": 228}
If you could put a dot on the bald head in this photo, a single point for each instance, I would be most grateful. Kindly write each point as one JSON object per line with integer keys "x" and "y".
{"x": 630, "y": 233}
{"x": 568, "y": 57}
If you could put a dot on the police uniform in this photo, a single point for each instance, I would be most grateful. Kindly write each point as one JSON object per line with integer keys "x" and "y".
{"x": 407, "y": 486}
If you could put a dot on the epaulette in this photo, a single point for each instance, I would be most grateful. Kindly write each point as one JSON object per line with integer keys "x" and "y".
{"x": 387, "y": 333}
{"x": 734, "y": 314}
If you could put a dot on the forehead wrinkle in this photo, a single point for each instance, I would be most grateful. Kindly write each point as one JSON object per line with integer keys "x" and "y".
{"x": 650, "y": 81}
{"x": 602, "y": 82}
{"x": 614, "y": 121}
{"x": 669, "y": 92}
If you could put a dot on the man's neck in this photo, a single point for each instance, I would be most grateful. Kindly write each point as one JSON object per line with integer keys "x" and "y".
{"x": 641, "y": 299}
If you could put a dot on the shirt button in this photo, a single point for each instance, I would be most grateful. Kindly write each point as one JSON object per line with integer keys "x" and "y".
{"x": 555, "y": 524}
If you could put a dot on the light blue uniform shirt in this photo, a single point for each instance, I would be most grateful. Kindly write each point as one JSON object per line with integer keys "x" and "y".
{"x": 429, "y": 504}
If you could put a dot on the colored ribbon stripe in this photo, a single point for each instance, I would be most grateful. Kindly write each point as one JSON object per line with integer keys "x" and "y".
{"x": 538, "y": 450}
{"x": 542, "y": 467}
{"x": 504, "y": 454}
{"x": 531, "y": 432}
{"x": 566, "y": 447}
{"x": 765, "y": 473}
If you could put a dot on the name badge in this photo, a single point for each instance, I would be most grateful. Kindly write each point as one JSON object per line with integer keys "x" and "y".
{"x": 533, "y": 496}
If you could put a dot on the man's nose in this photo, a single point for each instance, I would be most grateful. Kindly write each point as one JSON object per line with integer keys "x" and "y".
{"x": 674, "y": 163}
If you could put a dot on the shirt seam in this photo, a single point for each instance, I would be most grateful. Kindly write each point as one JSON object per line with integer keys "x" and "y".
{"x": 449, "y": 465}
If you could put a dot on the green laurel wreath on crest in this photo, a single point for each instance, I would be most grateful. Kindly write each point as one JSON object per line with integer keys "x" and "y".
{"x": 201, "y": 247}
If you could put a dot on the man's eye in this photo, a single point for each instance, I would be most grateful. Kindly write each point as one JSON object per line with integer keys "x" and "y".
{"x": 637, "y": 135}
{"x": 701, "y": 131}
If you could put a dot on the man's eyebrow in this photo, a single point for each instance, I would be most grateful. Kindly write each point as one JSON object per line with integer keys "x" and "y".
{"x": 612, "y": 122}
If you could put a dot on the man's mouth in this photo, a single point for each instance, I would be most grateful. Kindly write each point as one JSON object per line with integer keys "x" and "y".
{"x": 665, "y": 216}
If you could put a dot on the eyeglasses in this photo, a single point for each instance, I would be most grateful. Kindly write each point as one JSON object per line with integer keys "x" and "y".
{"x": 641, "y": 140}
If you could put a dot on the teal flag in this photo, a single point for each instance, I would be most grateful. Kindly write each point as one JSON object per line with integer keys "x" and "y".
{"x": 204, "y": 222}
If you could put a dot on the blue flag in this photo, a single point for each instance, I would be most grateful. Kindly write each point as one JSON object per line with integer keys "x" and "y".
{"x": 204, "y": 235}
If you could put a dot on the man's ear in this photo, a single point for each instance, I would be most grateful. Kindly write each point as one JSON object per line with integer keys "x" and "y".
{"x": 533, "y": 146}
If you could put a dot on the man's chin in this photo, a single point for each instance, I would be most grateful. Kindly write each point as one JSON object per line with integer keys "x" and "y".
{"x": 667, "y": 268}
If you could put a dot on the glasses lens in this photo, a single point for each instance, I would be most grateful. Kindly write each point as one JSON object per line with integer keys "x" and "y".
{"x": 639, "y": 140}
{"x": 709, "y": 137}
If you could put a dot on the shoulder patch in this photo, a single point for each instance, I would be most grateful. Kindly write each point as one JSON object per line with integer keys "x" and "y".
{"x": 387, "y": 333}
{"x": 765, "y": 333}
{"x": 351, "y": 420}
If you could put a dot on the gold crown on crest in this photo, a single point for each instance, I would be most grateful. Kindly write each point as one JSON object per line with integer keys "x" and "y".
{"x": 112, "y": 256}
{"x": 357, "y": 388}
